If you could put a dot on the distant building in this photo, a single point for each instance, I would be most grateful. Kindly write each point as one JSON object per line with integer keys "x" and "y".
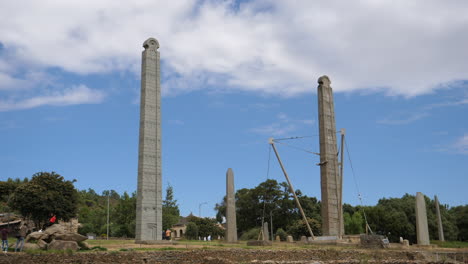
{"x": 178, "y": 230}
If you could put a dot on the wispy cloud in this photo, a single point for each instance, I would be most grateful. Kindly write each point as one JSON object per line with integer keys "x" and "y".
{"x": 261, "y": 46}
{"x": 75, "y": 95}
{"x": 275, "y": 129}
{"x": 283, "y": 126}
{"x": 404, "y": 120}
{"x": 176, "y": 122}
{"x": 461, "y": 145}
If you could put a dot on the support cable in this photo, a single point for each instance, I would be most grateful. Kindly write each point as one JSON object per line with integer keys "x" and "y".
{"x": 357, "y": 187}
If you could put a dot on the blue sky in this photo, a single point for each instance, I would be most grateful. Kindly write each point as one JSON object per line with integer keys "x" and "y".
{"x": 235, "y": 74}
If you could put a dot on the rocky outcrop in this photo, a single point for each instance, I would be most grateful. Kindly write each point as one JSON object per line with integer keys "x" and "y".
{"x": 57, "y": 238}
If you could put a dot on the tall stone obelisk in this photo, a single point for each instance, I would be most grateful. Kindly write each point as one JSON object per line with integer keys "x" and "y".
{"x": 149, "y": 191}
{"x": 330, "y": 179}
{"x": 422, "y": 229}
{"x": 439, "y": 219}
{"x": 231, "y": 223}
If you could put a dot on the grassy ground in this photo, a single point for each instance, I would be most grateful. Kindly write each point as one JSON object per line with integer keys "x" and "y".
{"x": 450, "y": 244}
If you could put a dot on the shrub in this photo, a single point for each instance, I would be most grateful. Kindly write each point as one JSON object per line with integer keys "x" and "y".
{"x": 282, "y": 234}
{"x": 192, "y": 231}
{"x": 252, "y": 234}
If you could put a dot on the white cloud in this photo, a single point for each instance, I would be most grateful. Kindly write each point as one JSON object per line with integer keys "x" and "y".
{"x": 404, "y": 120}
{"x": 275, "y": 129}
{"x": 461, "y": 145}
{"x": 176, "y": 122}
{"x": 72, "y": 96}
{"x": 275, "y": 47}
{"x": 283, "y": 126}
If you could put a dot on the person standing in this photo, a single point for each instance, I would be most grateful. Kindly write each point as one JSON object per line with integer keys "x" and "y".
{"x": 4, "y": 233}
{"x": 21, "y": 235}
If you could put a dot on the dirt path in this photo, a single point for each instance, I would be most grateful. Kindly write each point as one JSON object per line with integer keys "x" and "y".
{"x": 225, "y": 256}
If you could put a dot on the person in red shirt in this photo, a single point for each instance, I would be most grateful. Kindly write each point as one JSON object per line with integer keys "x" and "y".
{"x": 52, "y": 219}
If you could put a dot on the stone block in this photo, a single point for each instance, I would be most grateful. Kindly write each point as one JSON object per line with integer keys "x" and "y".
{"x": 42, "y": 244}
{"x": 373, "y": 241}
{"x": 30, "y": 246}
{"x": 62, "y": 245}
{"x": 55, "y": 230}
{"x": 289, "y": 239}
{"x": 71, "y": 237}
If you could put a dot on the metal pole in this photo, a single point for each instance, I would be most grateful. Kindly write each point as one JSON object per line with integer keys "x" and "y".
{"x": 291, "y": 189}
{"x": 199, "y": 209}
{"x": 108, "y": 193}
{"x": 271, "y": 226}
{"x": 343, "y": 131}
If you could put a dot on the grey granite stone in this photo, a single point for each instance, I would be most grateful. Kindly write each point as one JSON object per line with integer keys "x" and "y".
{"x": 149, "y": 190}
{"x": 422, "y": 230}
{"x": 231, "y": 225}
{"x": 439, "y": 220}
{"x": 330, "y": 180}
{"x": 266, "y": 233}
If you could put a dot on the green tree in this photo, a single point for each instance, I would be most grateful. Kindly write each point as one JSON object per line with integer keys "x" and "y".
{"x": 354, "y": 224}
{"x": 170, "y": 209}
{"x": 206, "y": 226}
{"x": 124, "y": 216}
{"x": 299, "y": 228}
{"x": 191, "y": 232}
{"x": 270, "y": 200}
{"x": 46, "y": 193}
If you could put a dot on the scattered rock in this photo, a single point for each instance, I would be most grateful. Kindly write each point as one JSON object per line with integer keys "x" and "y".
{"x": 62, "y": 245}
{"x": 29, "y": 246}
{"x": 42, "y": 244}
{"x": 36, "y": 236}
{"x": 55, "y": 230}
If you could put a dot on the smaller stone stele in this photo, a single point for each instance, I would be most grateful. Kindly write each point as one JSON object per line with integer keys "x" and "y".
{"x": 278, "y": 239}
{"x": 289, "y": 239}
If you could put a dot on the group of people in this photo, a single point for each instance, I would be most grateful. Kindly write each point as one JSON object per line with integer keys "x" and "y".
{"x": 20, "y": 235}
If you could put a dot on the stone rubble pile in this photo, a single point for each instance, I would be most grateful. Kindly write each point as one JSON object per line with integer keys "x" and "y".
{"x": 55, "y": 237}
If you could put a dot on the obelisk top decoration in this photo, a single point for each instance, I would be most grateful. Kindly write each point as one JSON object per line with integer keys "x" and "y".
{"x": 324, "y": 80}
{"x": 151, "y": 43}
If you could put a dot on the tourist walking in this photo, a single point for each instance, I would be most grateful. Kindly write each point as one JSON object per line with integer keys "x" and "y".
{"x": 4, "y": 233}
{"x": 21, "y": 235}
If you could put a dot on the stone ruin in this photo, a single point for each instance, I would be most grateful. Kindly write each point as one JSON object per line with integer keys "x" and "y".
{"x": 55, "y": 237}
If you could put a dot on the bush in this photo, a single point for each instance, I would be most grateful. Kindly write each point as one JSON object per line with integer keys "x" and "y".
{"x": 252, "y": 234}
{"x": 192, "y": 231}
{"x": 282, "y": 234}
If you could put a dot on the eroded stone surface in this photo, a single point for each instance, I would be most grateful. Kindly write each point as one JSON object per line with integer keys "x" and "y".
{"x": 149, "y": 192}
{"x": 422, "y": 229}
{"x": 330, "y": 180}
